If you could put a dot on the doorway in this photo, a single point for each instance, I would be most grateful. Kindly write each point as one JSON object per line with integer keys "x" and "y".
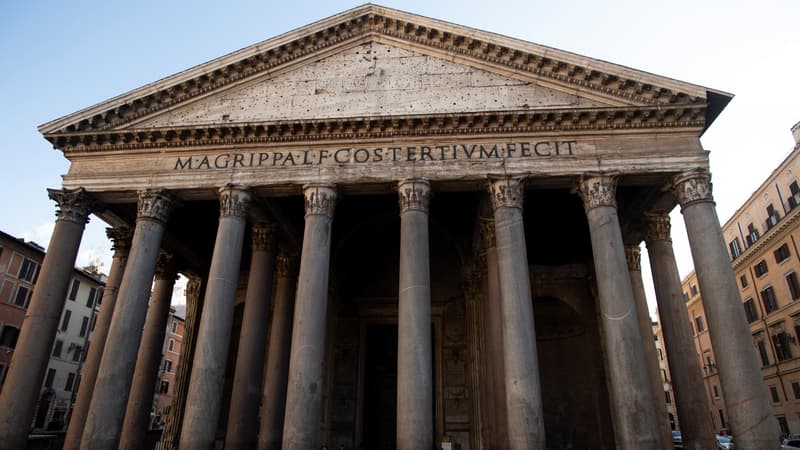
{"x": 380, "y": 387}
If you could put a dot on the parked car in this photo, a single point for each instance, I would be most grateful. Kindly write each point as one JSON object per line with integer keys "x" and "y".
{"x": 677, "y": 440}
{"x": 724, "y": 442}
{"x": 791, "y": 444}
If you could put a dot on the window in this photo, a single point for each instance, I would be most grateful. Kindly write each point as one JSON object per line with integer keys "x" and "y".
{"x": 794, "y": 285}
{"x": 698, "y": 323}
{"x": 164, "y": 388}
{"x": 773, "y": 392}
{"x": 743, "y": 281}
{"x": 761, "y": 268}
{"x": 167, "y": 365}
{"x": 90, "y": 300}
{"x": 794, "y": 200}
{"x": 668, "y": 397}
{"x": 762, "y": 352}
{"x": 172, "y": 345}
{"x": 783, "y": 425}
{"x": 782, "y": 343}
{"x": 769, "y": 300}
{"x": 664, "y": 375}
{"x": 750, "y": 310}
{"x": 3, "y": 367}
{"x": 735, "y": 247}
{"x": 94, "y": 322}
{"x": 752, "y": 235}
{"x": 84, "y": 326}
{"x": 23, "y": 294}
{"x": 782, "y": 253}
{"x": 772, "y": 216}
{"x": 28, "y": 271}
{"x": 693, "y": 289}
{"x": 174, "y": 326}
{"x": 716, "y": 391}
{"x": 685, "y": 297}
{"x": 8, "y": 336}
{"x": 57, "y": 347}
{"x": 660, "y": 355}
{"x": 70, "y": 381}
{"x": 73, "y": 293}
{"x": 65, "y": 321}
{"x": 48, "y": 380}
{"x": 76, "y": 355}
{"x": 796, "y": 390}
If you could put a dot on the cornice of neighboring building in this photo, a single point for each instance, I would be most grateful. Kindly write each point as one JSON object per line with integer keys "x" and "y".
{"x": 765, "y": 243}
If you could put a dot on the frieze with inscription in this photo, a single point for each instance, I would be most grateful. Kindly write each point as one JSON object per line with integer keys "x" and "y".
{"x": 371, "y": 155}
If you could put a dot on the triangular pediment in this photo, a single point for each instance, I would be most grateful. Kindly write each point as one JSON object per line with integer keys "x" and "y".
{"x": 374, "y": 61}
{"x": 367, "y": 80}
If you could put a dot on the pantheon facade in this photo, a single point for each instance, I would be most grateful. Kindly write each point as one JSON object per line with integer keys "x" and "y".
{"x": 399, "y": 233}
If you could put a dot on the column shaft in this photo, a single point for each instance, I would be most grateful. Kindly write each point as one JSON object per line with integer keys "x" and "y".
{"x": 520, "y": 358}
{"x": 194, "y": 306}
{"x": 635, "y": 424}
{"x": 414, "y": 370}
{"x": 26, "y": 371}
{"x": 204, "y": 399}
{"x": 242, "y": 429}
{"x": 276, "y": 374}
{"x": 633, "y": 255}
{"x": 107, "y": 408}
{"x": 121, "y": 238}
{"x": 494, "y": 341}
{"x": 749, "y": 412}
{"x": 687, "y": 379}
{"x": 302, "y": 420}
{"x": 140, "y": 401}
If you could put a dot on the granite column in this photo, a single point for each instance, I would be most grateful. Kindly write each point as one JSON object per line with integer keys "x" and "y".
{"x": 107, "y": 408}
{"x": 414, "y": 370}
{"x": 204, "y": 399}
{"x": 520, "y": 358}
{"x": 634, "y": 259}
{"x": 697, "y": 429}
{"x": 140, "y": 400}
{"x": 242, "y": 429}
{"x": 26, "y": 371}
{"x": 304, "y": 391}
{"x": 121, "y": 244}
{"x": 749, "y": 412}
{"x": 276, "y": 371}
{"x": 635, "y": 423}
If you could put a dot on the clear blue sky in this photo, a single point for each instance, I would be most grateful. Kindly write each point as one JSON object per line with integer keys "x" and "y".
{"x": 59, "y": 57}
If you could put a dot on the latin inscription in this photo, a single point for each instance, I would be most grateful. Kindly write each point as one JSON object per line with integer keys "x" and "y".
{"x": 389, "y": 154}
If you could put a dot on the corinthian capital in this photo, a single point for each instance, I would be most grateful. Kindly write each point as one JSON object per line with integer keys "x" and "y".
{"x": 657, "y": 227}
{"x": 74, "y": 205}
{"x": 286, "y": 264}
{"x": 633, "y": 256}
{"x": 234, "y": 201}
{"x": 120, "y": 240}
{"x": 693, "y": 186}
{"x": 414, "y": 194}
{"x": 320, "y": 198}
{"x": 165, "y": 268}
{"x": 506, "y": 191}
{"x": 155, "y": 205}
{"x": 487, "y": 232}
{"x": 600, "y": 190}
{"x": 263, "y": 235}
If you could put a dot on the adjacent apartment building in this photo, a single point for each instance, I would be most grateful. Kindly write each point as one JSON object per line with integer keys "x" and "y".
{"x": 170, "y": 354}
{"x": 763, "y": 238}
{"x": 20, "y": 262}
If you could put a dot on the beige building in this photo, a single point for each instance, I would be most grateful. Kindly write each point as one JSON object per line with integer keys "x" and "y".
{"x": 762, "y": 239}
{"x": 171, "y": 353}
{"x": 374, "y": 208}
{"x": 20, "y": 264}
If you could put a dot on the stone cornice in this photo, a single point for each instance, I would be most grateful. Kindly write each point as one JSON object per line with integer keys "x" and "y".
{"x": 524, "y": 121}
{"x": 370, "y": 22}
{"x": 782, "y": 229}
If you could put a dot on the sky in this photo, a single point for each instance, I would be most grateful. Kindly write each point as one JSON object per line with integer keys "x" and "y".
{"x": 60, "y": 57}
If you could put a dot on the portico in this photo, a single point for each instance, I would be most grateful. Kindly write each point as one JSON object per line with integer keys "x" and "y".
{"x": 448, "y": 211}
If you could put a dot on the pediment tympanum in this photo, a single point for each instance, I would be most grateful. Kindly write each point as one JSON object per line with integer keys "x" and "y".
{"x": 370, "y": 79}
{"x": 344, "y": 74}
